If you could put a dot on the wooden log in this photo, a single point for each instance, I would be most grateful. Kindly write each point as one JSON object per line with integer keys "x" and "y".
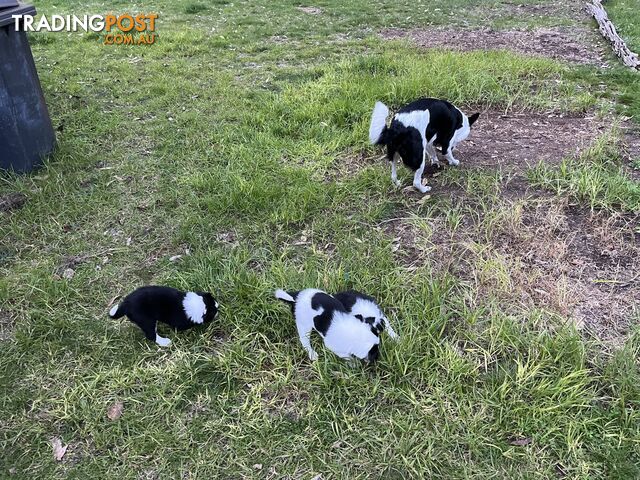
{"x": 608, "y": 30}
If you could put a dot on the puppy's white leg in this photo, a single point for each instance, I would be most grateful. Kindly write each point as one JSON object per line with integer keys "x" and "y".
{"x": 433, "y": 155}
{"x": 394, "y": 172}
{"x": 417, "y": 179}
{"x": 450, "y": 158}
{"x": 304, "y": 332}
{"x": 163, "y": 342}
{"x": 389, "y": 329}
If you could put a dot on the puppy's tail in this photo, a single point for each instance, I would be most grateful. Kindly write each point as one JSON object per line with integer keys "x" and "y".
{"x": 286, "y": 296}
{"x": 378, "y": 123}
{"x": 116, "y": 311}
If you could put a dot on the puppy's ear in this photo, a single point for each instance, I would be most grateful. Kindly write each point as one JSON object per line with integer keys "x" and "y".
{"x": 473, "y": 118}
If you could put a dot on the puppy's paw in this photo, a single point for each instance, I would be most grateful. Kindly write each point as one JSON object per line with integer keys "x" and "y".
{"x": 397, "y": 183}
{"x": 423, "y": 188}
{"x": 454, "y": 162}
{"x": 163, "y": 342}
{"x": 313, "y": 356}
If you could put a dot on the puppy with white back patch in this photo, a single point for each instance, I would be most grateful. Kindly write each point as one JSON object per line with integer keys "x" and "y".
{"x": 149, "y": 305}
{"x": 416, "y": 130}
{"x": 366, "y": 309}
{"x": 342, "y": 332}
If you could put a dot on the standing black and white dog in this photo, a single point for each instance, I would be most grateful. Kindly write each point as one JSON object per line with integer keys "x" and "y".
{"x": 366, "y": 309}
{"x": 415, "y": 131}
{"x": 343, "y": 333}
{"x": 149, "y": 305}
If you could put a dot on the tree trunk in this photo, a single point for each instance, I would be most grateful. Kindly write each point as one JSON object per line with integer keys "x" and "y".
{"x": 608, "y": 30}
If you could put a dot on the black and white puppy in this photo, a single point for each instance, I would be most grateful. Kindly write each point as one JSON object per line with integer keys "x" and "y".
{"x": 366, "y": 309}
{"x": 415, "y": 131}
{"x": 342, "y": 332}
{"x": 149, "y": 305}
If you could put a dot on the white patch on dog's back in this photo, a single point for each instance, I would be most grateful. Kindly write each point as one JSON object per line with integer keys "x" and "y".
{"x": 194, "y": 307}
{"x": 419, "y": 119}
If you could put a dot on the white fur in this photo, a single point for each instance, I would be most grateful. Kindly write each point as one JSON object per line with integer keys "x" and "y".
{"x": 431, "y": 150}
{"x": 303, "y": 314}
{"x": 163, "y": 342}
{"x": 419, "y": 119}
{"x": 378, "y": 121}
{"x": 113, "y": 310}
{"x": 194, "y": 307}
{"x": 282, "y": 295}
{"x": 389, "y": 329}
{"x": 394, "y": 171}
{"x": 367, "y": 308}
{"x": 458, "y": 136}
{"x": 417, "y": 179}
{"x": 346, "y": 336}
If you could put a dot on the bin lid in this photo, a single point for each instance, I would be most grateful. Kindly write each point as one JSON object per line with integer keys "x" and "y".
{"x": 13, "y": 7}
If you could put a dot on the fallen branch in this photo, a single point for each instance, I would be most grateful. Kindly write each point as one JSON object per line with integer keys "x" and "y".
{"x": 608, "y": 30}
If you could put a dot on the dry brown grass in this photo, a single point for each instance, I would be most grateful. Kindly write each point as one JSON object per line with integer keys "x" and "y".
{"x": 540, "y": 253}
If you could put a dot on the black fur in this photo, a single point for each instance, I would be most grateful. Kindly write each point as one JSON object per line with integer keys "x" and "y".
{"x": 349, "y": 299}
{"x": 291, "y": 304}
{"x": 374, "y": 354}
{"x": 149, "y": 305}
{"x": 330, "y": 305}
{"x": 405, "y": 141}
{"x": 444, "y": 120}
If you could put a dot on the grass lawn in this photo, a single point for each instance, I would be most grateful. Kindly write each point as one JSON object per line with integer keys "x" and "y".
{"x": 232, "y": 156}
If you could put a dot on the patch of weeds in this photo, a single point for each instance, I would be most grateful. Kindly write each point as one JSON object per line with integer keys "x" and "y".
{"x": 596, "y": 177}
{"x": 194, "y": 8}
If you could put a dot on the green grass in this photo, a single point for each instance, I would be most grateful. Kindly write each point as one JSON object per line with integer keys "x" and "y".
{"x": 232, "y": 145}
{"x": 624, "y": 14}
{"x": 596, "y": 177}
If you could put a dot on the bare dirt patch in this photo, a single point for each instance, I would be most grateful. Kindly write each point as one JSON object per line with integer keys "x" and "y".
{"x": 575, "y": 44}
{"x": 12, "y": 201}
{"x": 520, "y": 140}
{"x": 310, "y": 10}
